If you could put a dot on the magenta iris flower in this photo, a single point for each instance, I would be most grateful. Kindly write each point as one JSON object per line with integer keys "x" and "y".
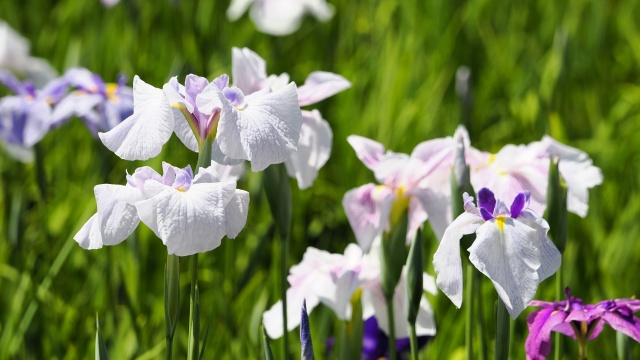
{"x": 582, "y": 322}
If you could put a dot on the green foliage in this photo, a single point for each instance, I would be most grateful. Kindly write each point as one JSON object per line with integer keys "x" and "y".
{"x": 569, "y": 69}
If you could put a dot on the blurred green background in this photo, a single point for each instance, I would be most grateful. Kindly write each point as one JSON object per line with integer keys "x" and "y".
{"x": 565, "y": 68}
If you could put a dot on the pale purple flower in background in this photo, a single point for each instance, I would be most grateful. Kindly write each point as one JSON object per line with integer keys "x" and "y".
{"x": 262, "y": 127}
{"x": 370, "y": 208}
{"x": 26, "y": 117}
{"x": 190, "y": 214}
{"x": 314, "y": 145}
{"x": 15, "y": 55}
{"x": 583, "y": 322}
{"x": 332, "y": 279}
{"x": 100, "y": 105}
{"x": 516, "y": 168}
{"x": 511, "y": 248}
{"x": 279, "y": 17}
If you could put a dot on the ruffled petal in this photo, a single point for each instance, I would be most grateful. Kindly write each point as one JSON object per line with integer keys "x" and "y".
{"x": 188, "y": 222}
{"x": 249, "y": 70}
{"x": 541, "y": 323}
{"x": 142, "y": 135}
{"x": 446, "y": 260}
{"x": 504, "y": 251}
{"x": 89, "y": 235}
{"x": 314, "y": 149}
{"x": 265, "y": 132}
{"x": 320, "y": 85}
{"x": 236, "y": 213}
{"x": 550, "y": 257}
{"x": 117, "y": 214}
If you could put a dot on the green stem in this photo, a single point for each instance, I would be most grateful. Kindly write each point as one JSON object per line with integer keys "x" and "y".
{"x": 503, "y": 325}
{"x": 171, "y": 300}
{"x": 284, "y": 251}
{"x": 414, "y": 342}
{"x": 392, "y": 329}
{"x": 194, "y": 310}
{"x": 481, "y": 334}
{"x": 557, "y": 342}
{"x": 469, "y": 296}
{"x": 40, "y": 172}
{"x": 582, "y": 349}
{"x": 169, "y": 347}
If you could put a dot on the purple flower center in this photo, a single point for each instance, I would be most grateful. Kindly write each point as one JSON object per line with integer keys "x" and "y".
{"x": 487, "y": 203}
{"x": 234, "y": 95}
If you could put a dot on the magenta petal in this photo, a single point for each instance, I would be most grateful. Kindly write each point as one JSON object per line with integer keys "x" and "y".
{"x": 541, "y": 323}
{"x": 628, "y": 325}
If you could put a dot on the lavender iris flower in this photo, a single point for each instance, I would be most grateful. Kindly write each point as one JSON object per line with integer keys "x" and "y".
{"x": 582, "y": 322}
{"x": 26, "y": 117}
{"x": 100, "y": 105}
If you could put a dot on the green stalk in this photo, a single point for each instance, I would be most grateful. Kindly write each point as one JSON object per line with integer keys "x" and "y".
{"x": 278, "y": 191}
{"x": 480, "y": 328}
{"x": 469, "y": 295}
{"x": 415, "y": 270}
{"x": 171, "y": 300}
{"x": 204, "y": 161}
{"x": 414, "y": 341}
{"x": 392, "y": 329}
{"x": 503, "y": 325}
{"x": 623, "y": 344}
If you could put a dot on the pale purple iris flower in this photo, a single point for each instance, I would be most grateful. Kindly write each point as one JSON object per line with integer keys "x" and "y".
{"x": 332, "y": 279}
{"x": 26, "y": 117}
{"x": 190, "y": 214}
{"x": 262, "y": 127}
{"x": 417, "y": 183}
{"x": 279, "y": 17}
{"x": 102, "y": 106}
{"x": 511, "y": 248}
{"x": 516, "y": 168}
{"x": 580, "y": 321}
{"x": 249, "y": 72}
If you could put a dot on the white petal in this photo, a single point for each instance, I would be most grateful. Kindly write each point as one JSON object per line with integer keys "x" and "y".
{"x": 237, "y": 8}
{"x": 38, "y": 123}
{"x": 89, "y": 235}
{"x": 277, "y": 18}
{"x": 368, "y": 151}
{"x": 446, "y": 260}
{"x": 265, "y": 132}
{"x": 76, "y": 103}
{"x": 117, "y": 214}
{"x": 509, "y": 258}
{"x": 367, "y": 208}
{"x": 236, "y": 213}
{"x": 314, "y": 149}
{"x": 142, "y": 135}
{"x": 188, "y": 222}
{"x": 338, "y": 296}
{"x": 272, "y": 318}
{"x": 249, "y": 70}
{"x": 550, "y": 257}
{"x": 320, "y": 85}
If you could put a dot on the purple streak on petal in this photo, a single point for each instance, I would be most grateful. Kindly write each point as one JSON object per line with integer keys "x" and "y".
{"x": 29, "y": 88}
{"x": 486, "y": 200}
{"x": 518, "y": 205}
{"x": 234, "y": 95}
{"x": 221, "y": 81}
{"x": 541, "y": 323}
{"x": 628, "y": 325}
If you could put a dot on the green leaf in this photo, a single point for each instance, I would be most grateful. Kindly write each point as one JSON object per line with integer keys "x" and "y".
{"x": 268, "y": 354}
{"x": 414, "y": 278}
{"x": 101, "y": 348}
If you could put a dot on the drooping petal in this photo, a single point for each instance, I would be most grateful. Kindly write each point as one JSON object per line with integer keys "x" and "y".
{"x": 117, "y": 214}
{"x": 188, "y": 222}
{"x": 338, "y": 297}
{"x": 88, "y": 237}
{"x": 314, "y": 149}
{"x": 368, "y": 151}
{"x": 236, "y": 213}
{"x": 550, "y": 257}
{"x": 627, "y": 324}
{"x": 38, "y": 123}
{"x": 446, "y": 260}
{"x": 265, "y": 132}
{"x": 437, "y": 207}
{"x": 248, "y": 70}
{"x": 320, "y": 85}
{"x": 368, "y": 208}
{"x": 77, "y": 103}
{"x": 142, "y": 135}
{"x": 541, "y": 323}
{"x": 504, "y": 251}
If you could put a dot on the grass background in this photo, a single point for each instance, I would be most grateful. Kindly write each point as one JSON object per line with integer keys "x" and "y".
{"x": 569, "y": 69}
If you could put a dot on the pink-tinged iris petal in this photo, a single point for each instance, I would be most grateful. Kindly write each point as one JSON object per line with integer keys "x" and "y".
{"x": 368, "y": 208}
{"x": 368, "y": 151}
{"x": 446, "y": 260}
{"x": 541, "y": 323}
{"x": 320, "y": 85}
{"x": 437, "y": 207}
{"x": 314, "y": 149}
{"x": 249, "y": 70}
{"x": 504, "y": 252}
{"x": 142, "y": 135}
{"x": 187, "y": 222}
{"x": 266, "y": 131}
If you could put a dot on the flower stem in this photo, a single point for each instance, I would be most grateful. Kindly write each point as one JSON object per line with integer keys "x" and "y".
{"x": 194, "y": 310}
{"x": 171, "y": 300}
{"x": 582, "y": 349}
{"x": 481, "y": 334}
{"x": 469, "y": 296}
{"x": 414, "y": 342}
{"x": 392, "y": 329}
{"x": 503, "y": 330}
{"x": 557, "y": 341}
